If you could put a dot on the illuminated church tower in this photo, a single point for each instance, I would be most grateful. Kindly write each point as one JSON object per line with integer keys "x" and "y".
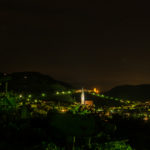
{"x": 82, "y": 97}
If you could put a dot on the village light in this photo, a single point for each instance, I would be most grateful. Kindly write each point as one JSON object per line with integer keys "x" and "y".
{"x": 57, "y": 93}
{"x": 29, "y": 95}
{"x": 20, "y": 96}
{"x": 43, "y": 94}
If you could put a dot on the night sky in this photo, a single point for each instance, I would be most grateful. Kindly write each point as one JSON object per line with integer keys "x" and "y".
{"x": 86, "y": 43}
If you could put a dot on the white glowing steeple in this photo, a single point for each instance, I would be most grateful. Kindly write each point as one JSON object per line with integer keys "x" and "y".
{"x": 82, "y": 97}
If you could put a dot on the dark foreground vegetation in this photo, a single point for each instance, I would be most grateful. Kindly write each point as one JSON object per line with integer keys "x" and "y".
{"x": 20, "y": 130}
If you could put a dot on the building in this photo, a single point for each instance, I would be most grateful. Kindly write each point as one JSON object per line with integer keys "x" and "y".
{"x": 89, "y": 102}
{"x": 83, "y": 101}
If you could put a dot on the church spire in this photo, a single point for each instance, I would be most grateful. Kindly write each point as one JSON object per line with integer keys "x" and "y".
{"x": 82, "y": 97}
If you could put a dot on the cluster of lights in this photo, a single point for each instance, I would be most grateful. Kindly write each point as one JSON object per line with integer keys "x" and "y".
{"x": 29, "y": 97}
{"x": 103, "y": 96}
{"x": 63, "y": 93}
{"x": 111, "y": 98}
{"x": 95, "y": 93}
{"x": 70, "y": 92}
{"x": 120, "y": 110}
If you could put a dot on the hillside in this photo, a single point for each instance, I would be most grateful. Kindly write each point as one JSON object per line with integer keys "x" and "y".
{"x": 32, "y": 82}
{"x": 139, "y": 92}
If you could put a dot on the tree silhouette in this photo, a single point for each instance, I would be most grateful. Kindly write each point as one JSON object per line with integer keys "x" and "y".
{"x": 4, "y": 80}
